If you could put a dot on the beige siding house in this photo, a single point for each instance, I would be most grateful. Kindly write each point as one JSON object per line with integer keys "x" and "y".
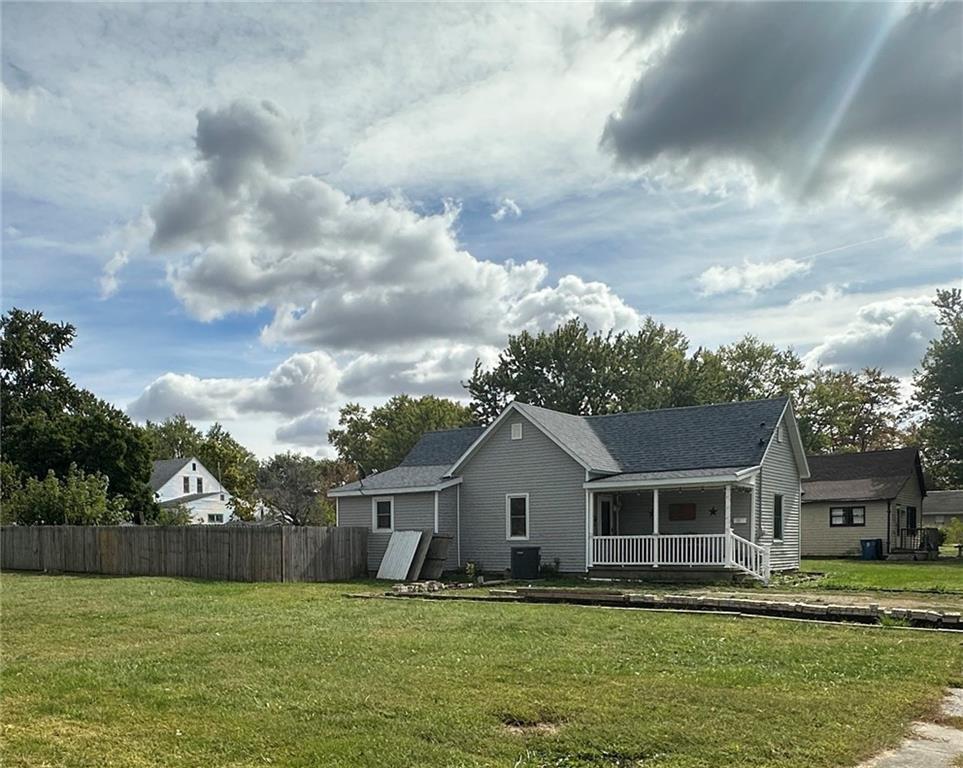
{"x": 707, "y": 487}
{"x": 855, "y": 496}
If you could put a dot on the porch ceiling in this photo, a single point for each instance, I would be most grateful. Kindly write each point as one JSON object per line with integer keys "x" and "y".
{"x": 713, "y": 476}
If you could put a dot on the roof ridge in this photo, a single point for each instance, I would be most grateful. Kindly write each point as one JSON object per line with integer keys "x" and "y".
{"x": 452, "y": 429}
{"x": 687, "y": 407}
{"x": 862, "y": 453}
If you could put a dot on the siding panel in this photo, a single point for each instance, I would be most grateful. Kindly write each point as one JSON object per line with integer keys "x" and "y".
{"x": 532, "y": 465}
{"x": 413, "y": 512}
{"x": 820, "y": 539}
{"x": 780, "y": 475}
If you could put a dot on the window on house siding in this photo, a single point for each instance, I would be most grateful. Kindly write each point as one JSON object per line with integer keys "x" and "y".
{"x": 516, "y": 510}
{"x": 215, "y": 518}
{"x": 517, "y": 431}
{"x": 193, "y": 466}
{"x": 777, "y": 516}
{"x": 384, "y": 513}
{"x": 200, "y": 485}
{"x": 847, "y": 516}
{"x": 187, "y": 485}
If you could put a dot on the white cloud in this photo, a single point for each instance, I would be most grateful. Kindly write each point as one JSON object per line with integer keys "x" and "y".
{"x": 303, "y": 382}
{"x": 108, "y": 278}
{"x": 891, "y": 334}
{"x": 831, "y": 292}
{"x": 750, "y": 277}
{"x": 507, "y": 207}
{"x": 341, "y": 272}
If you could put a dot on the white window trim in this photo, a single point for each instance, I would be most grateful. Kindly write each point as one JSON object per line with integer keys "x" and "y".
{"x": 374, "y": 513}
{"x": 508, "y": 517}
{"x": 519, "y": 435}
{"x": 782, "y": 536}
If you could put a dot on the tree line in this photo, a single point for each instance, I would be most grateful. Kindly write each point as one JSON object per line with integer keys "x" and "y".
{"x": 67, "y": 456}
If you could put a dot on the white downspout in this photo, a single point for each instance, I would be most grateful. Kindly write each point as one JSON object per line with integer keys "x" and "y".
{"x": 655, "y": 527}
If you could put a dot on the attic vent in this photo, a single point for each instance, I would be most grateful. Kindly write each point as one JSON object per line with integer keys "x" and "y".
{"x": 780, "y": 434}
{"x": 517, "y": 430}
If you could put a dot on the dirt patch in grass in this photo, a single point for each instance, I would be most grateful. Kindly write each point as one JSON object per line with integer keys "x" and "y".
{"x": 543, "y": 724}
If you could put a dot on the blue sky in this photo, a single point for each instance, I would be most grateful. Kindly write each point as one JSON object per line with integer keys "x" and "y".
{"x": 256, "y": 213}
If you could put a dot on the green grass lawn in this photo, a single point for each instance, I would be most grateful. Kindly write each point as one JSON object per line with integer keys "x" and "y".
{"x": 944, "y": 575}
{"x": 166, "y": 672}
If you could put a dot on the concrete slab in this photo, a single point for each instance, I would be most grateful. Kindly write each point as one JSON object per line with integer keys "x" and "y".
{"x": 930, "y": 746}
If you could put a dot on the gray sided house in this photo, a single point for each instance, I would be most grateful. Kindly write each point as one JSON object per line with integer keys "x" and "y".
{"x": 855, "y": 496}
{"x": 714, "y": 487}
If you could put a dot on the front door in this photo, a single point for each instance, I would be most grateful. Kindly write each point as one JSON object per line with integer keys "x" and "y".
{"x": 605, "y": 517}
{"x": 911, "y": 518}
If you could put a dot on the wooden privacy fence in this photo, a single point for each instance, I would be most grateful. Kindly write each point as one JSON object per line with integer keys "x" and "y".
{"x": 227, "y": 553}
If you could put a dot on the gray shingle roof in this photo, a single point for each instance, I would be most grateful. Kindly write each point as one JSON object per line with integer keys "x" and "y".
{"x": 695, "y": 437}
{"x": 860, "y": 476}
{"x": 726, "y": 437}
{"x": 576, "y": 434}
{"x": 163, "y": 470}
{"x": 418, "y": 476}
{"x": 186, "y": 499}
{"x": 944, "y": 503}
{"x": 442, "y": 446}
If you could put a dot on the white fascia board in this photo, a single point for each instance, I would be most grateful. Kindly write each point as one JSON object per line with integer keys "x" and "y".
{"x": 792, "y": 429}
{"x": 672, "y": 482}
{"x": 335, "y": 493}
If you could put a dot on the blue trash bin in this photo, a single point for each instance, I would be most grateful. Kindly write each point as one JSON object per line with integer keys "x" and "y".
{"x": 871, "y": 548}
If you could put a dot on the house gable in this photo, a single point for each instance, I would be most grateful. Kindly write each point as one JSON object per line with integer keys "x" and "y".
{"x": 532, "y": 465}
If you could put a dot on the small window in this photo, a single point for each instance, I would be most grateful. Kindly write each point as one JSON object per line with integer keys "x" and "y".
{"x": 777, "y": 517}
{"x": 516, "y": 512}
{"x": 678, "y": 512}
{"x": 383, "y": 512}
{"x": 779, "y": 434}
{"x": 215, "y": 518}
{"x": 517, "y": 431}
{"x": 187, "y": 485}
{"x": 222, "y": 497}
{"x": 200, "y": 485}
{"x": 193, "y": 466}
{"x": 847, "y": 516}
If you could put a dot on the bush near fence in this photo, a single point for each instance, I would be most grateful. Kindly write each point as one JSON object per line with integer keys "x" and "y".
{"x": 228, "y": 553}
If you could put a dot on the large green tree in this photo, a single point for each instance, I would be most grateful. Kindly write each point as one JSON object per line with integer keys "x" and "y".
{"x": 379, "y": 440}
{"x": 572, "y": 370}
{"x": 750, "y": 369}
{"x": 848, "y": 411}
{"x": 939, "y": 394}
{"x": 50, "y": 424}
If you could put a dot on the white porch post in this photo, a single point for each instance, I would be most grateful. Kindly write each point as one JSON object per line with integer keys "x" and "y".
{"x": 728, "y": 524}
{"x": 589, "y": 548}
{"x": 655, "y": 527}
{"x": 752, "y": 512}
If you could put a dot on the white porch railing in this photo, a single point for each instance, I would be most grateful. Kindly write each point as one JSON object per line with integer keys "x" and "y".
{"x": 713, "y": 549}
{"x": 750, "y": 557}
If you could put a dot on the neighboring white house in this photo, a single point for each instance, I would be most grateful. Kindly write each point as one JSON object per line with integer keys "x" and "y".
{"x": 187, "y": 482}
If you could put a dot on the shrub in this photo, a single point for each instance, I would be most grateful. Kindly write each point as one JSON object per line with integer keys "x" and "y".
{"x": 79, "y": 499}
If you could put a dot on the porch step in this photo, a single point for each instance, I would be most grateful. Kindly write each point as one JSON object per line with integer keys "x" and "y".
{"x": 668, "y": 574}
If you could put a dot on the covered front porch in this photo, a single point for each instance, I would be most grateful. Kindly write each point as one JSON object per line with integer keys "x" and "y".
{"x": 695, "y": 521}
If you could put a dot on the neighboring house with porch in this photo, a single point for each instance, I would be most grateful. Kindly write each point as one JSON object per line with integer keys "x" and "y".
{"x": 187, "y": 482}
{"x": 854, "y": 496}
{"x": 714, "y": 487}
{"x": 941, "y": 507}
